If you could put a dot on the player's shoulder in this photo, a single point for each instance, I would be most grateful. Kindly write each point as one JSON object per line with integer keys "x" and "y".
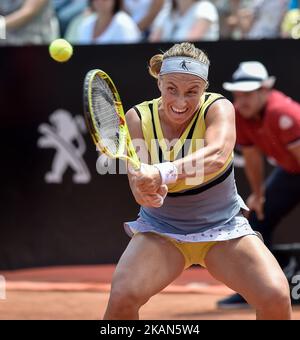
{"x": 213, "y": 94}
{"x": 140, "y": 110}
{"x": 216, "y": 99}
{"x": 146, "y": 103}
{"x": 145, "y": 108}
{"x": 216, "y": 105}
{"x": 133, "y": 121}
{"x": 212, "y": 97}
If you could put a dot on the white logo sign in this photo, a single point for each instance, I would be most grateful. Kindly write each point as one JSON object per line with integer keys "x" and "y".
{"x": 285, "y": 123}
{"x": 60, "y": 135}
{"x": 296, "y": 289}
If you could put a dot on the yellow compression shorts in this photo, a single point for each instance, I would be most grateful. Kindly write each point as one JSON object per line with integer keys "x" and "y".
{"x": 193, "y": 252}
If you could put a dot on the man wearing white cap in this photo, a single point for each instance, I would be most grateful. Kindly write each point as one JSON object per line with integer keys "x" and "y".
{"x": 268, "y": 124}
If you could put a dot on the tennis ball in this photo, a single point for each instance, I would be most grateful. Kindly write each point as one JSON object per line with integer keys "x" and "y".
{"x": 60, "y": 50}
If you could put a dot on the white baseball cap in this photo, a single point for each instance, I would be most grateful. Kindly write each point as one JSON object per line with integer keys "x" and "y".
{"x": 250, "y": 76}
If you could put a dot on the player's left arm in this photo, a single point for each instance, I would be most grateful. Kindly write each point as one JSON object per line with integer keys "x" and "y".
{"x": 219, "y": 141}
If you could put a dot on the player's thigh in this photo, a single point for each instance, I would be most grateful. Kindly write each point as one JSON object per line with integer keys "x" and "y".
{"x": 246, "y": 266}
{"x": 149, "y": 264}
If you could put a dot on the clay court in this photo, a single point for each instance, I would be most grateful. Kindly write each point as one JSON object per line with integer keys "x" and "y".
{"x": 81, "y": 293}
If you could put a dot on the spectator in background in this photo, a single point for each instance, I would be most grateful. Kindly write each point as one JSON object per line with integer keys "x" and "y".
{"x": 290, "y": 27}
{"x": 188, "y": 20}
{"x": 228, "y": 16}
{"x": 28, "y": 22}
{"x": 261, "y": 19}
{"x": 224, "y": 8}
{"x": 66, "y": 10}
{"x": 108, "y": 25}
{"x": 74, "y": 28}
{"x": 144, "y": 12}
{"x": 268, "y": 124}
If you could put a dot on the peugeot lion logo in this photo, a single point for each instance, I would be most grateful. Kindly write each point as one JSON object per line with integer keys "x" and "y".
{"x": 61, "y": 135}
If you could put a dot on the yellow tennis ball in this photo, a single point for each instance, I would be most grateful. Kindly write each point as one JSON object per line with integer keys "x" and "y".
{"x": 60, "y": 50}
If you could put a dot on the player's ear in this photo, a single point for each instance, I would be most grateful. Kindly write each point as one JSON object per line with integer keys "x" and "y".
{"x": 159, "y": 83}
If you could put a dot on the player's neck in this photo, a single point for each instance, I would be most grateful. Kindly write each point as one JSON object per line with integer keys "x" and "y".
{"x": 170, "y": 129}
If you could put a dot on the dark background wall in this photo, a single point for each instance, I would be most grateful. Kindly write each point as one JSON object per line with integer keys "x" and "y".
{"x": 81, "y": 223}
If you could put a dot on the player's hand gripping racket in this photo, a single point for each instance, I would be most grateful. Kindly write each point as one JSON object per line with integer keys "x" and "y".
{"x": 105, "y": 118}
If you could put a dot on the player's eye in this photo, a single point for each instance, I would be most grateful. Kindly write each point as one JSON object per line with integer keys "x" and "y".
{"x": 191, "y": 93}
{"x": 172, "y": 90}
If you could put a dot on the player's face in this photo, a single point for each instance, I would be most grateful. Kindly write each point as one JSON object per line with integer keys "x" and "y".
{"x": 249, "y": 104}
{"x": 181, "y": 95}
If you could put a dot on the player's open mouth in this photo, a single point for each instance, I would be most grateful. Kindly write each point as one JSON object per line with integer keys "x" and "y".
{"x": 177, "y": 111}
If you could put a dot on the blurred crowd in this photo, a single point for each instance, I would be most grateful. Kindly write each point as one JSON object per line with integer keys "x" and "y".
{"x": 132, "y": 21}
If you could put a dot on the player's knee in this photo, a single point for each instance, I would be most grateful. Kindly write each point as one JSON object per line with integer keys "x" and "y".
{"x": 125, "y": 295}
{"x": 125, "y": 301}
{"x": 275, "y": 296}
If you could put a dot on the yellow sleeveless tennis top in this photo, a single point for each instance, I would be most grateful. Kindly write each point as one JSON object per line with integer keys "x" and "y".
{"x": 158, "y": 148}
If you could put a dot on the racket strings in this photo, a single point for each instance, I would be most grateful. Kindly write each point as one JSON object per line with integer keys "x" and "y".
{"x": 106, "y": 116}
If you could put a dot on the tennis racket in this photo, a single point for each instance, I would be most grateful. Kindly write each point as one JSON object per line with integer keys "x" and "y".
{"x": 105, "y": 118}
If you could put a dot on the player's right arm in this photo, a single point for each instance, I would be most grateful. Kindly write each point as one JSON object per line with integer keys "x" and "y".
{"x": 254, "y": 169}
{"x": 136, "y": 133}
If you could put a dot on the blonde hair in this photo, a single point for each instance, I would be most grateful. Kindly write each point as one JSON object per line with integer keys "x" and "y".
{"x": 184, "y": 49}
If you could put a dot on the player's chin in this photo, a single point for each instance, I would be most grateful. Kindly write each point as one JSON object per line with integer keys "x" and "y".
{"x": 182, "y": 116}
{"x": 179, "y": 117}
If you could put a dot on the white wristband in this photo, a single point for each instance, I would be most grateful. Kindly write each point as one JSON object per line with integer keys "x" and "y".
{"x": 168, "y": 172}
{"x": 2, "y": 27}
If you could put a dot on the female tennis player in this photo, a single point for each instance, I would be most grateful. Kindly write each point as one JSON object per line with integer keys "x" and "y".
{"x": 188, "y": 135}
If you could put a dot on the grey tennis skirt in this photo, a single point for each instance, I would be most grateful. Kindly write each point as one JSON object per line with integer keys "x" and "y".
{"x": 214, "y": 214}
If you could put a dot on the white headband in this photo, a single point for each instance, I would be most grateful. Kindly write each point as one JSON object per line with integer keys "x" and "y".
{"x": 184, "y": 65}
